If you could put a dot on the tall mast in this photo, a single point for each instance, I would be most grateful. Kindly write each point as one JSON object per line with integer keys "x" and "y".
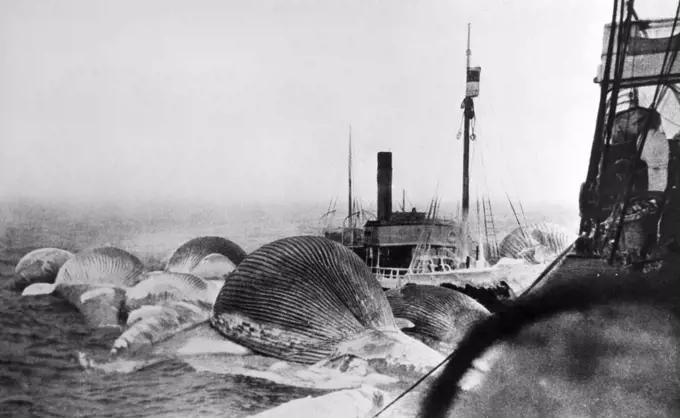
{"x": 350, "y": 201}
{"x": 467, "y": 105}
{"x": 471, "y": 90}
{"x": 467, "y": 51}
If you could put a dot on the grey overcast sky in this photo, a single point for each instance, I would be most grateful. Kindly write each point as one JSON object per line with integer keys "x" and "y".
{"x": 231, "y": 101}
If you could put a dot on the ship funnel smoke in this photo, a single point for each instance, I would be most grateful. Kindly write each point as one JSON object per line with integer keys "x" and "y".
{"x": 384, "y": 186}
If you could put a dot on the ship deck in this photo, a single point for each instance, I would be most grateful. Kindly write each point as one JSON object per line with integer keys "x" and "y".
{"x": 517, "y": 277}
{"x": 575, "y": 265}
{"x": 520, "y": 278}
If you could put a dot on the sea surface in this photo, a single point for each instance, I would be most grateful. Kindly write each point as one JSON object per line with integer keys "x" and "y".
{"x": 39, "y": 337}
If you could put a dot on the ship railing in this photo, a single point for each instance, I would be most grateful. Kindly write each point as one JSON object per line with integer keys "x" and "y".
{"x": 389, "y": 272}
{"x": 432, "y": 269}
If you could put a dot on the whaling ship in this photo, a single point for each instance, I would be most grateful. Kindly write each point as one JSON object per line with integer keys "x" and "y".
{"x": 630, "y": 200}
{"x": 409, "y": 246}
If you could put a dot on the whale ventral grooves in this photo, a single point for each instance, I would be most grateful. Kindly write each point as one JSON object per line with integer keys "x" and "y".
{"x": 297, "y": 298}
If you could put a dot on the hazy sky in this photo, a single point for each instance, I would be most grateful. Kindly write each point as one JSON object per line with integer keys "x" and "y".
{"x": 251, "y": 100}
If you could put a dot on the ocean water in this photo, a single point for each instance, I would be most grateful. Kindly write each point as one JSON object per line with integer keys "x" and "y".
{"x": 39, "y": 337}
{"x": 40, "y": 374}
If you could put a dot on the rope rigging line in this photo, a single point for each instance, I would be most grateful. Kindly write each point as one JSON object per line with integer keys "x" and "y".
{"x": 478, "y": 188}
{"x": 622, "y": 40}
{"x": 660, "y": 90}
{"x": 473, "y": 123}
{"x": 524, "y": 217}
{"x": 519, "y": 223}
{"x": 670, "y": 121}
{"x": 484, "y": 175}
{"x": 597, "y": 148}
{"x": 513, "y": 181}
{"x": 483, "y": 170}
{"x": 645, "y": 98}
{"x": 514, "y": 212}
{"x": 486, "y": 178}
{"x": 482, "y": 186}
{"x": 667, "y": 119}
{"x": 612, "y": 101}
{"x": 414, "y": 385}
{"x": 490, "y": 212}
{"x": 460, "y": 127}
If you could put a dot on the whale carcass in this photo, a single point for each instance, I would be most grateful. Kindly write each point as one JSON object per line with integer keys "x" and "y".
{"x": 111, "y": 289}
{"x": 536, "y": 243}
{"x": 306, "y": 299}
{"x": 303, "y": 311}
{"x": 440, "y": 316}
{"x": 39, "y": 266}
{"x": 208, "y": 257}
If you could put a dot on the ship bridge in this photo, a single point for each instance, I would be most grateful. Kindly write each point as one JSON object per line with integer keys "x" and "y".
{"x": 410, "y": 229}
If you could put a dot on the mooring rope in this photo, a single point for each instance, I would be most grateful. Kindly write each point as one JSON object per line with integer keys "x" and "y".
{"x": 413, "y": 386}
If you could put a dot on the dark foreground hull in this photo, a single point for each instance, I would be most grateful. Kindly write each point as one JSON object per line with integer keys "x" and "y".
{"x": 584, "y": 327}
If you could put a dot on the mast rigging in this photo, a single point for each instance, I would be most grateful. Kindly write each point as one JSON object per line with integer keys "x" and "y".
{"x": 666, "y": 68}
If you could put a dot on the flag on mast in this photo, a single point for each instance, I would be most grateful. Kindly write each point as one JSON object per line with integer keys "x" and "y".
{"x": 472, "y": 88}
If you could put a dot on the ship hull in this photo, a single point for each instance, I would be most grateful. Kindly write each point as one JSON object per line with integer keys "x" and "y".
{"x": 576, "y": 265}
{"x": 482, "y": 277}
{"x": 494, "y": 287}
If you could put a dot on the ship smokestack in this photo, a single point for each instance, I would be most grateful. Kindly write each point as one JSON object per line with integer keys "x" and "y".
{"x": 384, "y": 186}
